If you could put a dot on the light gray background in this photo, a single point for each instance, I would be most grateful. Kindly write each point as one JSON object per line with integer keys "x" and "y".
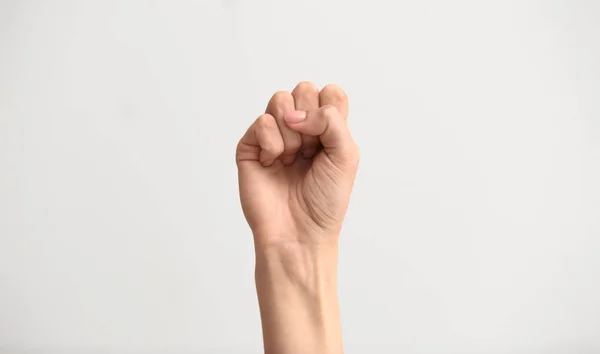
{"x": 475, "y": 221}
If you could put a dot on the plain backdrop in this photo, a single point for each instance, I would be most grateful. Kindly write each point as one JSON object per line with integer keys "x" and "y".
{"x": 475, "y": 220}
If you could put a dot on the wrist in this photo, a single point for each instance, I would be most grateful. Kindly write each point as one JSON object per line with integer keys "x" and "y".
{"x": 310, "y": 268}
{"x": 297, "y": 292}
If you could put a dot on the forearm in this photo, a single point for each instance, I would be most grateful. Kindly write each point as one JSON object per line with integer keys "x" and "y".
{"x": 297, "y": 293}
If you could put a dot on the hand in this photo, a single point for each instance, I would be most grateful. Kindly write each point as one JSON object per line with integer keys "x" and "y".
{"x": 296, "y": 165}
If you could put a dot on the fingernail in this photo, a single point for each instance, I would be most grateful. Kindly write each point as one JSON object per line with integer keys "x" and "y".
{"x": 288, "y": 160}
{"x": 295, "y": 116}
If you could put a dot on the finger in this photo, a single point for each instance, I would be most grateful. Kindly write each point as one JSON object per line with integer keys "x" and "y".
{"x": 334, "y": 95}
{"x": 262, "y": 142}
{"x": 306, "y": 98}
{"x": 326, "y": 123}
{"x": 280, "y": 103}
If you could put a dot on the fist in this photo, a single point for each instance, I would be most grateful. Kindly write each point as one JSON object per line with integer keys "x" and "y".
{"x": 296, "y": 167}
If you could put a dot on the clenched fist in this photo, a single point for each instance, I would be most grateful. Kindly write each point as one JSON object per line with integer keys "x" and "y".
{"x": 296, "y": 166}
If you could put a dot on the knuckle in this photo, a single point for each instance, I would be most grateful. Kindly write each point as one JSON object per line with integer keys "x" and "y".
{"x": 280, "y": 97}
{"x": 329, "y": 112}
{"x": 270, "y": 140}
{"x": 273, "y": 147}
{"x": 292, "y": 145}
{"x": 334, "y": 92}
{"x": 306, "y": 87}
{"x": 266, "y": 121}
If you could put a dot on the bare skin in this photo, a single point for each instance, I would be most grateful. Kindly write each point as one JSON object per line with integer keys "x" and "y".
{"x": 296, "y": 167}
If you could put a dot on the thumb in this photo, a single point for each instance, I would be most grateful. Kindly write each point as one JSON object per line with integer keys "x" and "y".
{"x": 326, "y": 123}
